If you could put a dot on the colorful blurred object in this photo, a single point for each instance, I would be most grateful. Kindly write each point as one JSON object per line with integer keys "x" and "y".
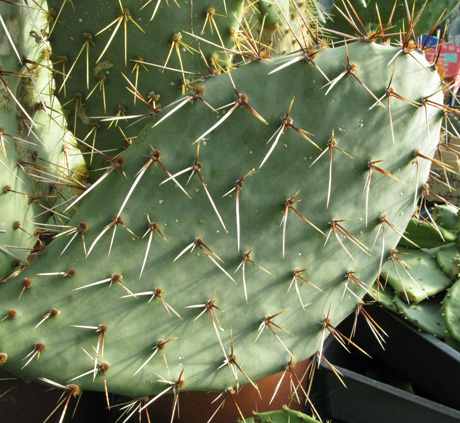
{"x": 448, "y": 59}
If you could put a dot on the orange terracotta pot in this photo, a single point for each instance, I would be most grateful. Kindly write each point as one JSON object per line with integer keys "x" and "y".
{"x": 199, "y": 407}
{"x": 28, "y": 402}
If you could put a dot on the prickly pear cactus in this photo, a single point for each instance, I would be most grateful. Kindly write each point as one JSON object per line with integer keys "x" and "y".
{"x": 112, "y": 59}
{"x": 37, "y": 157}
{"x": 390, "y": 15}
{"x": 281, "y": 416}
{"x": 423, "y": 287}
{"x": 236, "y": 229}
{"x": 16, "y": 231}
{"x": 161, "y": 246}
{"x": 417, "y": 276}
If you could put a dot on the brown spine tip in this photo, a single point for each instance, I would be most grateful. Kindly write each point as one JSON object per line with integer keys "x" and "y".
{"x": 199, "y": 91}
{"x": 82, "y": 227}
{"x": 120, "y": 162}
{"x": 73, "y": 390}
{"x": 40, "y": 347}
{"x": 155, "y": 154}
{"x": 102, "y": 328}
{"x": 116, "y": 277}
{"x": 102, "y": 367}
{"x": 26, "y": 283}
{"x": 264, "y": 54}
{"x": 71, "y": 272}
{"x": 11, "y": 314}
{"x": 54, "y": 312}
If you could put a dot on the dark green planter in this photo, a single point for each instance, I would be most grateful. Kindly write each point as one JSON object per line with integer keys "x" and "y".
{"x": 411, "y": 359}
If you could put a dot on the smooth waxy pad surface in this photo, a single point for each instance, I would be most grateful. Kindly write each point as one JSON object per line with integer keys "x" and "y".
{"x": 315, "y": 199}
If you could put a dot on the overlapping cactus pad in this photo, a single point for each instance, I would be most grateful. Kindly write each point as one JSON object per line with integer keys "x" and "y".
{"x": 237, "y": 232}
{"x": 101, "y": 46}
{"x": 281, "y": 416}
{"x": 426, "y": 291}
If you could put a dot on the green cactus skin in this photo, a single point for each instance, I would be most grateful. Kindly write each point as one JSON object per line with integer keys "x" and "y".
{"x": 429, "y": 268}
{"x": 451, "y": 311}
{"x": 90, "y": 58}
{"x": 448, "y": 258}
{"x": 272, "y": 14}
{"x": 275, "y": 33}
{"x": 419, "y": 277}
{"x": 278, "y": 21}
{"x": 452, "y": 343}
{"x": 426, "y": 235}
{"x": 13, "y": 208}
{"x": 446, "y": 216}
{"x": 386, "y": 298}
{"x": 36, "y": 158}
{"x": 281, "y": 416}
{"x": 185, "y": 265}
{"x": 426, "y": 315}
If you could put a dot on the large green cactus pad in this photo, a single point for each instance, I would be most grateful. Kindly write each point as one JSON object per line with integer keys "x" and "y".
{"x": 35, "y": 152}
{"x": 418, "y": 276}
{"x": 337, "y": 189}
{"x": 426, "y": 315}
{"x": 96, "y": 45}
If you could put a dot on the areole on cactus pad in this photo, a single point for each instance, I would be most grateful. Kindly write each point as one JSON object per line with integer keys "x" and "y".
{"x": 237, "y": 230}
